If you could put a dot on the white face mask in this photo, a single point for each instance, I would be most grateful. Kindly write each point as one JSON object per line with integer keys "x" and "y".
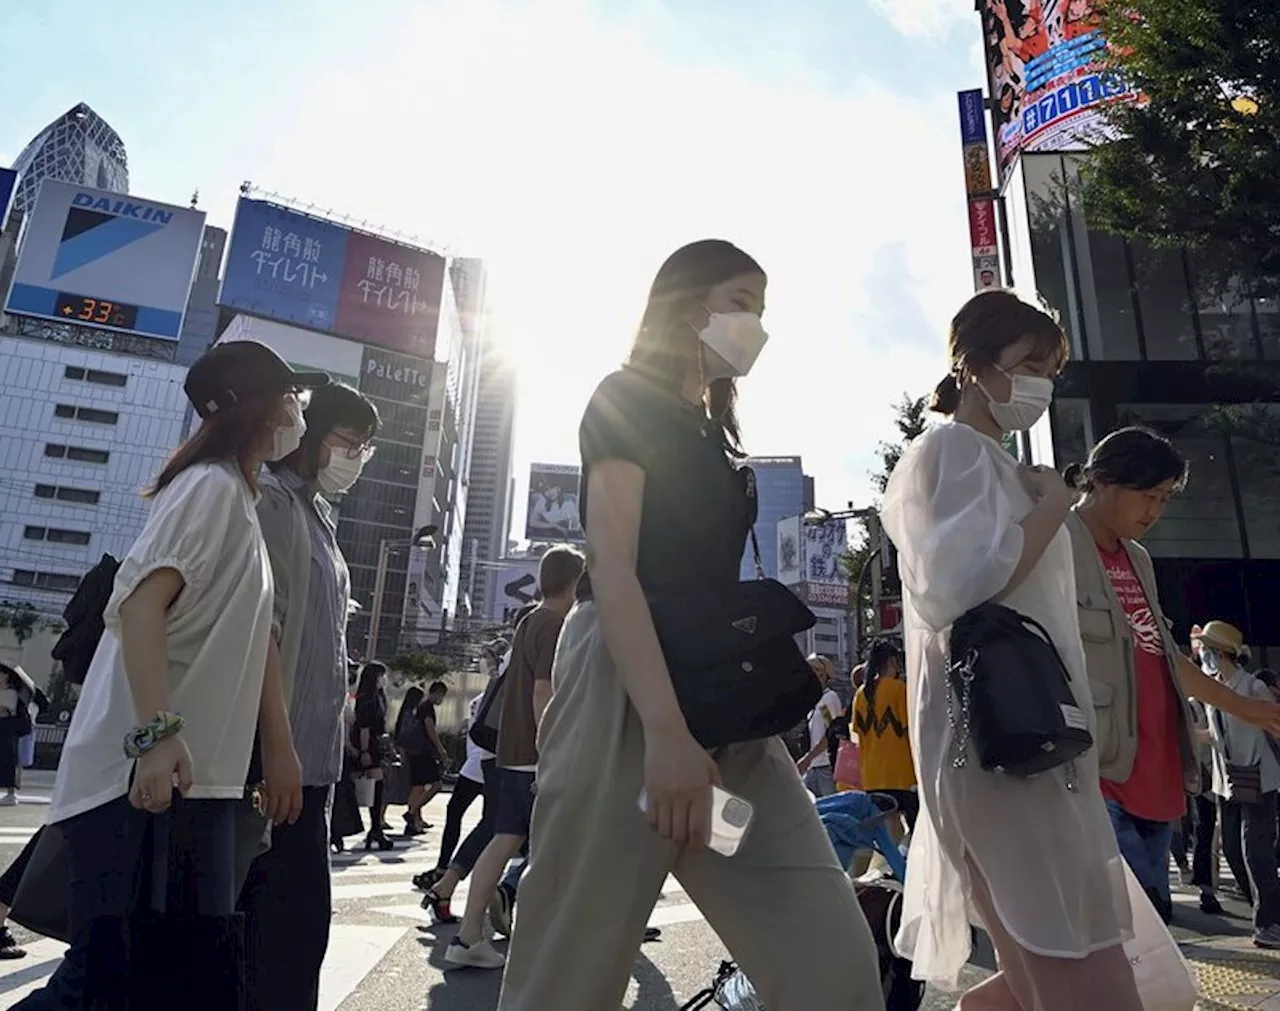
{"x": 1210, "y": 662}
{"x": 341, "y": 472}
{"x": 731, "y": 342}
{"x": 288, "y": 437}
{"x": 1029, "y": 398}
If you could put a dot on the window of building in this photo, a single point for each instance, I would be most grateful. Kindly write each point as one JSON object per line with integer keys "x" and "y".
{"x": 1116, "y": 338}
{"x": 45, "y": 580}
{"x": 1051, "y": 252}
{"x": 55, "y": 536}
{"x": 1072, "y": 431}
{"x": 1227, "y": 326}
{"x": 90, "y": 414}
{"x": 80, "y": 454}
{"x": 99, "y": 376}
{"x": 81, "y": 496}
{"x": 74, "y": 372}
{"x": 1168, "y": 316}
{"x": 1200, "y": 521}
{"x": 1258, "y": 471}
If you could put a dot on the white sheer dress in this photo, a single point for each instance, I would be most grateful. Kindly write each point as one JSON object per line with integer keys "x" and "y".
{"x": 1048, "y": 853}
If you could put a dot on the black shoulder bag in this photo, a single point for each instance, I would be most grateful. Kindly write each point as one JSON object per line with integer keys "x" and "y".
{"x": 1011, "y": 695}
{"x": 734, "y": 663}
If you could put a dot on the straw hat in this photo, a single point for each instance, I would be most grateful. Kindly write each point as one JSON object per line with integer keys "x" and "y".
{"x": 1224, "y": 637}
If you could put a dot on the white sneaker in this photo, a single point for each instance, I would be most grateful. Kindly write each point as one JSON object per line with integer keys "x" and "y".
{"x": 481, "y": 955}
{"x": 9, "y": 800}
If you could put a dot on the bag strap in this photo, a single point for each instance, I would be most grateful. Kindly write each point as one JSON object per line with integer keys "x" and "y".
{"x": 755, "y": 552}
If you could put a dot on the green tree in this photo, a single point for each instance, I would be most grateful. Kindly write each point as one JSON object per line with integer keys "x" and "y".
{"x": 419, "y": 666}
{"x": 20, "y": 619}
{"x": 1196, "y": 165}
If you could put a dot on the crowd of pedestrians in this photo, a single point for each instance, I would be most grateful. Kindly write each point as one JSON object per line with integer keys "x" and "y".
{"x": 224, "y": 745}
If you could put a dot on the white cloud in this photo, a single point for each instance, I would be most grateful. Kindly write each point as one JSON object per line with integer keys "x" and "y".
{"x": 923, "y": 17}
{"x": 574, "y": 157}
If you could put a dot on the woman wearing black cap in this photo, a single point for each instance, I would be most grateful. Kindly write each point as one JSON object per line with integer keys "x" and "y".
{"x": 155, "y": 766}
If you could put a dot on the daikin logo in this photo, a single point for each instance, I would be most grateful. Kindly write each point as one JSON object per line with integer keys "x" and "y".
{"x": 98, "y": 226}
{"x": 122, "y": 208}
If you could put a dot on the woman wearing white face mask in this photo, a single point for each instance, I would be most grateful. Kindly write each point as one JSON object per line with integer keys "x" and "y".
{"x": 1246, "y": 781}
{"x": 286, "y": 900}
{"x": 667, "y": 511}
{"x": 1037, "y": 856}
{"x": 158, "y": 756}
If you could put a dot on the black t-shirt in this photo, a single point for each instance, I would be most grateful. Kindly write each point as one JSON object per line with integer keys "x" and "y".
{"x": 697, "y": 510}
{"x": 426, "y": 711}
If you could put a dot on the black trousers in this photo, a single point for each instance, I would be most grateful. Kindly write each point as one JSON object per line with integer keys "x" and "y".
{"x": 1254, "y": 868}
{"x": 465, "y": 792}
{"x": 1205, "y": 810}
{"x": 287, "y": 904}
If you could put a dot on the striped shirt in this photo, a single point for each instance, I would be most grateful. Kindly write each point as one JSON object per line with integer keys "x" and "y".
{"x": 320, "y": 678}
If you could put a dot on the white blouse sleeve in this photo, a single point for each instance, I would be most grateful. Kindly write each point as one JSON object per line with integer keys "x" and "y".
{"x": 954, "y": 525}
{"x": 186, "y": 531}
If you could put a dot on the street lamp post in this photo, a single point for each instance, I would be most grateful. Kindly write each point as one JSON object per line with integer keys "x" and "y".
{"x": 425, "y": 537}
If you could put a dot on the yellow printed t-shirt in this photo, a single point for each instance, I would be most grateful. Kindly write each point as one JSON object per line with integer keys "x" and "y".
{"x": 882, "y": 737}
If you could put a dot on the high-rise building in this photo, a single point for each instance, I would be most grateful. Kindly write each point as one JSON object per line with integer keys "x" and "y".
{"x": 200, "y": 325}
{"x": 490, "y": 480}
{"x": 782, "y": 489}
{"x": 77, "y": 147}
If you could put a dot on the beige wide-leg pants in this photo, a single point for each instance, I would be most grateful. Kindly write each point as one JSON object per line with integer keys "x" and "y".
{"x": 782, "y": 905}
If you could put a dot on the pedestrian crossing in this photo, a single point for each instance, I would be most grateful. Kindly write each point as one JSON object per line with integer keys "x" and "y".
{"x": 366, "y": 887}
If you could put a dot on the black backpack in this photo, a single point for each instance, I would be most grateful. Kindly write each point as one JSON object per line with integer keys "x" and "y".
{"x": 484, "y": 728}
{"x": 83, "y": 613}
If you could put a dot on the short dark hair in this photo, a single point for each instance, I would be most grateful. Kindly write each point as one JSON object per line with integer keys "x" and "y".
{"x": 559, "y": 570}
{"x": 1135, "y": 458}
{"x": 987, "y": 324}
{"x": 438, "y": 688}
{"x": 334, "y": 406}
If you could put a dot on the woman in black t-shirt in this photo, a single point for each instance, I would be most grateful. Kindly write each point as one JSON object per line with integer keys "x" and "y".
{"x": 666, "y": 509}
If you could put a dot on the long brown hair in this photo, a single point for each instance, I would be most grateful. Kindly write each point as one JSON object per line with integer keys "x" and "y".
{"x": 665, "y": 345}
{"x": 235, "y": 434}
{"x": 987, "y": 324}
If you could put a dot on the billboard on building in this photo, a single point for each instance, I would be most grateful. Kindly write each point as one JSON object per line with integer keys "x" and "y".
{"x": 553, "y": 504}
{"x": 292, "y": 267}
{"x": 101, "y": 259}
{"x": 984, "y": 245}
{"x": 790, "y": 551}
{"x": 1045, "y": 61}
{"x": 8, "y": 186}
{"x": 824, "y": 576}
{"x": 512, "y": 586}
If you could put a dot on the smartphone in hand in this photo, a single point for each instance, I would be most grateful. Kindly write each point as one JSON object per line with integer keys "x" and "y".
{"x": 731, "y": 817}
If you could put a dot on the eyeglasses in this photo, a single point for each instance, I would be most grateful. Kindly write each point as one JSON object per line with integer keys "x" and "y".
{"x": 354, "y": 450}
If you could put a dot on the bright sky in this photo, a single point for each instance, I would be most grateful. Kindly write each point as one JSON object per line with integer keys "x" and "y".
{"x": 572, "y": 145}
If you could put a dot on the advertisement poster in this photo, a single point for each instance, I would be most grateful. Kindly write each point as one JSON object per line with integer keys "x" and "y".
{"x": 824, "y": 547}
{"x": 102, "y": 259}
{"x": 983, "y": 235}
{"x": 390, "y": 296}
{"x": 553, "y": 504}
{"x": 790, "y": 560}
{"x": 1045, "y": 64}
{"x": 318, "y": 274}
{"x": 511, "y": 588}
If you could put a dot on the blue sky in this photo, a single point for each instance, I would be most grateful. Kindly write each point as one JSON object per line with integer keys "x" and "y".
{"x": 573, "y": 144}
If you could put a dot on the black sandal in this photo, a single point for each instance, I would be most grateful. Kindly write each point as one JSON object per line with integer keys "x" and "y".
{"x": 439, "y": 908}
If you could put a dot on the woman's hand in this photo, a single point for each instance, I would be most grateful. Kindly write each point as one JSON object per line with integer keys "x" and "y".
{"x": 678, "y": 776}
{"x": 156, "y": 773}
{"x": 282, "y": 782}
{"x": 366, "y": 760}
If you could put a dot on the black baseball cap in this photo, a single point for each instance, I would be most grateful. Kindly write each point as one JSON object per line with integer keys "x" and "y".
{"x": 228, "y": 374}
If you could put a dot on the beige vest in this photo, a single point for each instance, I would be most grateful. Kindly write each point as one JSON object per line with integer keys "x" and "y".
{"x": 1109, "y": 655}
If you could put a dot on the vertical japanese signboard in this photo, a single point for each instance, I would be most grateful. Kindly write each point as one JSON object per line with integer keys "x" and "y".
{"x": 984, "y": 239}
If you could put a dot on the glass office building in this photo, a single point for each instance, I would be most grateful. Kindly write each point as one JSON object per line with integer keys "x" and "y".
{"x": 1153, "y": 346}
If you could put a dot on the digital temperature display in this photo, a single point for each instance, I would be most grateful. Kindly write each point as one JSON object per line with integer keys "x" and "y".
{"x": 99, "y": 311}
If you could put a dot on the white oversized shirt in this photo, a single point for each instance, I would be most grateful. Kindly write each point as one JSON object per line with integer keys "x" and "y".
{"x": 825, "y": 713}
{"x": 472, "y": 768}
{"x": 203, "y": 525}
{"x": 953, "y": 509}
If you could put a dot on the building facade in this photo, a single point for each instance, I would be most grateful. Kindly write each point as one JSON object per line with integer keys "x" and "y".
{"x": 782, "y": 489}
{"x": 77, "y": 147}
{"x": 1152, "y": 346}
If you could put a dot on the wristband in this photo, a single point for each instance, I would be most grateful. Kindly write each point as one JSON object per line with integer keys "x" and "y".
{"x": 140, "y": 740}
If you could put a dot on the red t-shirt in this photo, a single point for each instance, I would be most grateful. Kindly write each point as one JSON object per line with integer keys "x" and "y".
{"x": 1154, "y": 791}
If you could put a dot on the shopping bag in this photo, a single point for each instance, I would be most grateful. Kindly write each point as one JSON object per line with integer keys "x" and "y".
{"x": 398, "y": 784}
{"x": 849, "y": 766}
{"x": 1165, "y": 982}
{"x": 364, "y": 791}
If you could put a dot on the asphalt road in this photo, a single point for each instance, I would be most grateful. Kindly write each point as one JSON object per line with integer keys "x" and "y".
{"x": 385, "y": 955}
